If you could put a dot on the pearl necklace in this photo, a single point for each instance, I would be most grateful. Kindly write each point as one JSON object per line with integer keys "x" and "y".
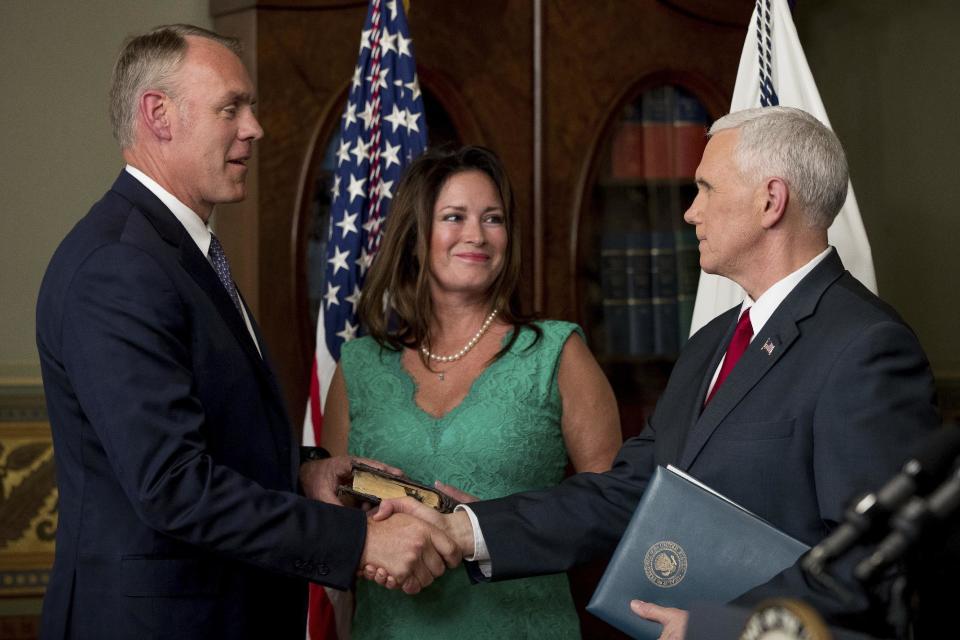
{"x": 470, "y": 344}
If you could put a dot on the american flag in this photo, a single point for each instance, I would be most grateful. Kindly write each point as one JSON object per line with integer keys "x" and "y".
{"x": 382, "y": 129}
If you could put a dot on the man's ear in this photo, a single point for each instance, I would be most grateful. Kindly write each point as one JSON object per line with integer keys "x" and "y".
{"x": 776, "y": 196}
{"x": 156, "y": 113}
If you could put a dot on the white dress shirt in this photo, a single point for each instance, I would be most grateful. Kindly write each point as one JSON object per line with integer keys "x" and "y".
{"x": 193, "y": 223}
{"x": 760, "y": 312}
{"x": 767, "y": 303}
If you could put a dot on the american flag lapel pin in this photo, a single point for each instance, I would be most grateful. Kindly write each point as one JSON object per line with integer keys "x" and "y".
{"x": 768, "y": 346}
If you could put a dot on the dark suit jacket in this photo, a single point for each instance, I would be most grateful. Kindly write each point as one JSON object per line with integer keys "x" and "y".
{"x": 176, "y": 466}
{"x": 791, "y": 435}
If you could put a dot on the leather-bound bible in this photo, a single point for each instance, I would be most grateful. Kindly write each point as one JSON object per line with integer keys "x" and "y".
{"x": 686, "y": 543}
{"x": 371, "y": 485}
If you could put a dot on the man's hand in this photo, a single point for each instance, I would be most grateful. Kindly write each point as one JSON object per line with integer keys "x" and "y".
{"x": 674, "y": 621}
{"x": 455, "y": 526}
{"x": 409, "y": 552}
{"x": 320, "y": 478}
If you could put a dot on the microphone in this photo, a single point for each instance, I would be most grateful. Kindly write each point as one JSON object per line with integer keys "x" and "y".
{"x": 933, "y": 459}
{"x": 908, "y": 525}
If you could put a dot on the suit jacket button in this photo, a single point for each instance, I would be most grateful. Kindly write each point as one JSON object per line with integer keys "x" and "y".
{"x": 323, "y": 569}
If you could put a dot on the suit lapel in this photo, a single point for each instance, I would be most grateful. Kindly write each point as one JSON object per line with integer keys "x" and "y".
{"x": 192, "y": 260}
{"x": 697, "y": 371}
{"x": 765, "y": 351}
{"x": 202, "y": 272}
{"x": 753, "y": 365}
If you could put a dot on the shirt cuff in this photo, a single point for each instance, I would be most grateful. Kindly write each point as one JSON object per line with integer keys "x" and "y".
{"x": 480, "y": 553}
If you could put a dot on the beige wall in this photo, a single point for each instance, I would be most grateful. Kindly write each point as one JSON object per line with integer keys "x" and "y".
{"x": 888, "y": 74}
{"x": 58, "y": 156}
{"x": 886, "y": 70}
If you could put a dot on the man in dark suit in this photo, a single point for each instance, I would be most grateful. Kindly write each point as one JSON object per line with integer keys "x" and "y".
{"x": 827, "y": 388}
{"x": 177, "y": 472}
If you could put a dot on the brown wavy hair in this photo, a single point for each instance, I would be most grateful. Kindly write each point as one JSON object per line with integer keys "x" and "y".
{"x": 399, "y": 275}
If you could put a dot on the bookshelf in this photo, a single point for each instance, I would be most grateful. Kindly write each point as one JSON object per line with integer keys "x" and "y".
{"x": 638, "y": 263}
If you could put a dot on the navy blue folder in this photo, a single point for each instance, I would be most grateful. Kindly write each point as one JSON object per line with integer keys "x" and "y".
{"x": 686, "y": 543}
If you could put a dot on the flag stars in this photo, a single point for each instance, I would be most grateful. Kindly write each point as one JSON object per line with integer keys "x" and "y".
{"x": 343, "y": 152}
{"x": 383, "y": 189}
{"x": 330, "y": 297}
{"x": 335, "y": 191}
{"x": 397, "y": 117}
{"x": 370, "y": 224}
{"x": 356, "y": 188}
{"x": 412, "y": 121}
{"x": 366, "y": 115}
{"x": 339, "y": 260}
{"x": 403, "y": 45}
{"x": 361, "y": 150}
{"x": 390, "y": 154}
{"x": 403, "y": 118}
{"x": 414, "y": 86}
{"x": 361, "y": 197}
{"x": 354, "y": 298}
{"x": 388, "y": 42}
{"x": 365, "y": 39}
{"x": 381, "y": 80}
{"x": 348, "y": 224}
{"x": 349, "y": 331}
{"x": 350, "y": 115}
{"x": 364, "y": 261}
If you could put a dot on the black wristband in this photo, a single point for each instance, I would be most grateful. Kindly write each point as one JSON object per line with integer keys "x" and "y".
{"x": 313, "y": 453}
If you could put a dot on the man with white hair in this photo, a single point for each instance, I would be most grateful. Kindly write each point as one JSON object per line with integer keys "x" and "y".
{"x": 791, "y": 403}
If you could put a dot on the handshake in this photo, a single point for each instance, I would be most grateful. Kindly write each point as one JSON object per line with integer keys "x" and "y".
{"x": 408, "y": 544}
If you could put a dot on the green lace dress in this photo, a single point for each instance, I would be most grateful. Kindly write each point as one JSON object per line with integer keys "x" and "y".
{"x": 503, "y": 438}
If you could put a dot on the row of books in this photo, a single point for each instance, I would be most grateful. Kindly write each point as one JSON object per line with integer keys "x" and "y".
{"x": 648, "y": 282}
{"x": 661, "y": 135}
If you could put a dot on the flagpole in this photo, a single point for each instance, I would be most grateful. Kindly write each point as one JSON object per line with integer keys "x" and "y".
{"x": 537, "y": 195}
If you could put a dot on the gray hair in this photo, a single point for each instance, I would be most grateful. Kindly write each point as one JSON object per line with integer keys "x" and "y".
{"x": 149, "y": 61}
{"x": 791, "y": 144}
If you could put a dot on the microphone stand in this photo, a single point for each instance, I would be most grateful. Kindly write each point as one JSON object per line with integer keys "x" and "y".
{"x": 892, "y": 520}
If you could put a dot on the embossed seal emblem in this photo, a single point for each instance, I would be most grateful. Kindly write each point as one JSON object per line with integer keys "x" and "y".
{"x": 665, "y": 564}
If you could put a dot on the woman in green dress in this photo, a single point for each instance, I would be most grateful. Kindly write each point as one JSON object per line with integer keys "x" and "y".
{"x": 454, "y": 384}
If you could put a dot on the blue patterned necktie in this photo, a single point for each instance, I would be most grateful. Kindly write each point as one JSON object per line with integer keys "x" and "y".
{"x": 219, "y": 261}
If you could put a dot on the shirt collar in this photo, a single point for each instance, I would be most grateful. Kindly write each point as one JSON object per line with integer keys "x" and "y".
{"x": 767, "y": 303}
{"x": 193, "y": 223}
